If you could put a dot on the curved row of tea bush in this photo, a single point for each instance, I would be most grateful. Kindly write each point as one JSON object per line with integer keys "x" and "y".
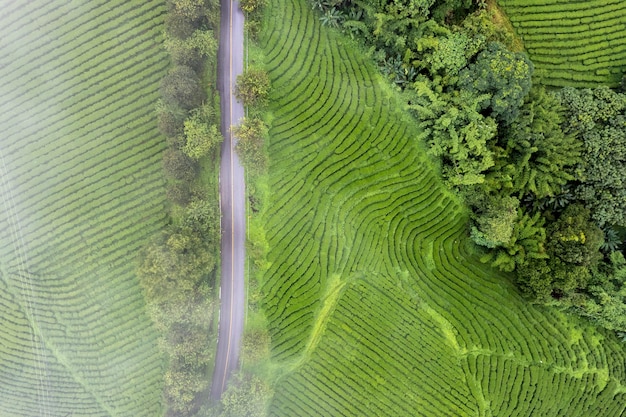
{"x": 80, "y": 189}
{"x": 421, "y": 326}
{"x": 572, "y": 44}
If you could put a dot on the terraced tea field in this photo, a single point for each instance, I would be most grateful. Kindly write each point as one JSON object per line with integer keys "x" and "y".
{"x": 80, "y": 191}
{"x": 375, "y": 306}
{"x": 575, "y": 43}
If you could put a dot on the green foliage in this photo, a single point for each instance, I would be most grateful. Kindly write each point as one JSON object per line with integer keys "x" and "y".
{"x": 173, "y": 273}
{"x": 178, "y": 192}
{"x": 398, "y": 20}
{"x": 251, "y": 134}
{"x": 526, "y": 243}
{"x": 504, "y": 76}
{"x": 247, "y": 397}
{"x": 192, "y": 50}
{"x": 190, "y": 9}
{"x": 605, "y": 300}
{"x": 202, "y": 217}
{"x": 573, "y": 243}
{"x": 181, "y": 389}
{"x": 173, "y": 265}
{"x": 251, "y": 6}
{"x": 495, "y": 224}
{"x": 480, "y": 24}
{"x": 201, "y": 136}
{"x": 253, "y": 87}
{"x": 82, "y": 190}
{"x": 543, "y": 279}
{"x": 442, "y": 53}
{"x": 538, "y": 157}
{"x": 179, "y": 166}
{"x": 255, "y": 346}
{"x": 451, "y": 53}
{"x": 574, "y": 238}
{"x": 368, "y": 259}
{"x": 181, "y": 88}
{"x": 598, "y": 117}
{"x": 457, "y": 132}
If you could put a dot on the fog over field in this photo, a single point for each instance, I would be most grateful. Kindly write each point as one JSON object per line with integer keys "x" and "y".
{"x": 80, "y": 191}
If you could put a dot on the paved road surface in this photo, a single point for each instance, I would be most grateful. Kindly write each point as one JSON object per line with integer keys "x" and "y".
{"x": 232, "y": 191}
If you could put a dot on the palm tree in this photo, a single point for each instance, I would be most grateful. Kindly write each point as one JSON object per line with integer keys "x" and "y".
{"x": 332, "y": 18}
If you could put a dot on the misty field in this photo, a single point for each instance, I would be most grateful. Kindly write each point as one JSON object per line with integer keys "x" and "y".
{"x": 375, "y": 305}
{"x": 80, "y": 191}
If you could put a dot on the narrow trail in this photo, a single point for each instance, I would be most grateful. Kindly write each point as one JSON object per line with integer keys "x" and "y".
{"x": 233, "y": 207}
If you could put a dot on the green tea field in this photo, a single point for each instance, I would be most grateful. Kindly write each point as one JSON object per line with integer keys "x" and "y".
{"x": 575, "y": 43}
{"x": 375, "y": 305}
{"x": 81, "y": 190}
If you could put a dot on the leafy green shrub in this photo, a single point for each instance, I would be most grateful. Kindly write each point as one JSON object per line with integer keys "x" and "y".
{"x": 181, "y": 88}
{"x": 503, "y": 75}
{"x": 178, "y": 193}
{"x": 246, "y": 397}
{"x": 192, "y": 51}
{"x": 179, "y": 166}
{"x": 251, "y": 135}
{"x": 201, "y": 136}
{"x": 253, "y": 87}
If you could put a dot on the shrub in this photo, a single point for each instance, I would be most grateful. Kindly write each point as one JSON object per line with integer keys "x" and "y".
{"x": 179, "y": 166}
{"x": 178, "y": 193}
{"x": 181, "y": 87}
{"x": 251, "y": 134}
{"x": 253, "y": 87}
{"x": 170, "y": 124}
{"x": 250, "y": 6}
{"x": 201, "y": 136}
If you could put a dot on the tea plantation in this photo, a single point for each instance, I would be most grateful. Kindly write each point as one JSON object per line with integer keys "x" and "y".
{"x": 375, "y": 305}
{"x": 80, "y": 191}
{"x": 575, "y": 43}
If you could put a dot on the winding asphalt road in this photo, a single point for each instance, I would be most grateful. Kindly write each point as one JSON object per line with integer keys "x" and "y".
{"x": 233, "y": 204}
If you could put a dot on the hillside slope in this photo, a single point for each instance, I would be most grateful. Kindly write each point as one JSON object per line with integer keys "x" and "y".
{"x": 374, "y": 304}
{"x": 575, "y": 43}
{"x": 80, "y": 191}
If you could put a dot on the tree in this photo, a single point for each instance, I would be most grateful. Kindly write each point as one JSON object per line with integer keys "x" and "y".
{"x": 181, "y": 88}
{"x": 250, "y": 6}
{"x": 253, "y": 87}
{"x": 173, "y": 264}
{"x": 202, "y": 218}
{"x": 201, "y": 136}
{"x": 251, "y": 134}
{"x": 247, "y": 397}
{"x": 191, "y": 50}
{"x": 501, "y": 74}
{"x": 598, "y": 117}
{"x": 193, "y": 10}
{"x": 445, "y": 56}
{"x": 574, "y": 238}
{"x": 526, "y": 243}
{"x": 494, "y": 225}
{"x": 178, "y": 193}
{"x": 538, "y": 157}
{"x": 169, "y": 119}
{"x": 456, "y": 132}
{"x": 255, "y": 346}
{"x": 182, "y": 386}
{"x": 544, "y": 279}
{"x": 179, "y": 166}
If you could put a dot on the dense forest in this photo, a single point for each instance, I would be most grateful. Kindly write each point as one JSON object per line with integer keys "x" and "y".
{"x": 541, "y": 169}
